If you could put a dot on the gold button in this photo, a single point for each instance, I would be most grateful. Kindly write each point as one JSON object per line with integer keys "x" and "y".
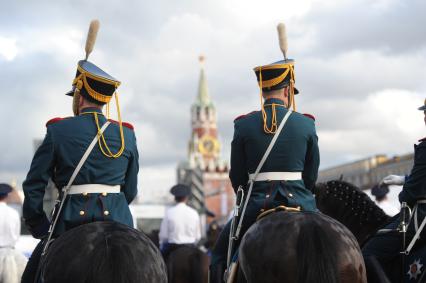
{"x": 81, "y": 212}
{"x": 106, "y": 212}
{"x": 104, "y": 194}
{"x": 84, "y": 194}
{"x": 290, "y": 195}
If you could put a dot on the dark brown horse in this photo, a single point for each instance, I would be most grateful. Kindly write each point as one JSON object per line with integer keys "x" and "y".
{"x": 190, "y": 264}
{"x": 300, "y": 247}
{"x": 106, "y": 252}
{"x": 187, "y": 264}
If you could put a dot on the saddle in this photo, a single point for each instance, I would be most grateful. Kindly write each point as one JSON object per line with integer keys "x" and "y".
{"x": 276, "y": 209}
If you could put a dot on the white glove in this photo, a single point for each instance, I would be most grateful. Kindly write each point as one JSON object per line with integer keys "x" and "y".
{"x": 393, "y": 180}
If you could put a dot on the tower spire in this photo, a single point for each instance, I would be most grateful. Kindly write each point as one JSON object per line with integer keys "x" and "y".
{"x": 203, "y": 97}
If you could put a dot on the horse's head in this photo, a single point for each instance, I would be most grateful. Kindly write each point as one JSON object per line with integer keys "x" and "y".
{"x": 351, "y": 206}
{"x": 103, "y": 252}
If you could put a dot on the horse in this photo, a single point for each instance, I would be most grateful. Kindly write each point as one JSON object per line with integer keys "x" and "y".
{"x": 107, "y": 252}
{"x": 153, "y": 236}
{"x": 187, "y": 264}
{"x": 12, "y": 265}
{"x": 300, "y": 247}
{"x": 354, "y": 209}
{"x": 350, "y": 206}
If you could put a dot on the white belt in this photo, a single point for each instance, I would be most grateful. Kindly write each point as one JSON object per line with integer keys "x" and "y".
{"x": 277, "y": 176}
{"x": 94, "y": 189}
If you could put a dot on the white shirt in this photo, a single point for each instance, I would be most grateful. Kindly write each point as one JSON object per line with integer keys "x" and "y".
{"x": 10, "y": 226}
{"x": 181, "y": 225}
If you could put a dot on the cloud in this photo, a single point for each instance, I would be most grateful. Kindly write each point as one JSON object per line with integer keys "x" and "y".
{"x": 386, "y": 122}
{"x": 358, "y": 74}
{"x": 391, "y": 26}
{"x": 8, "y": 49}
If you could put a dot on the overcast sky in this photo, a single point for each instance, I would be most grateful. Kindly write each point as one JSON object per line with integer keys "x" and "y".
{"x": 360, "y": 67}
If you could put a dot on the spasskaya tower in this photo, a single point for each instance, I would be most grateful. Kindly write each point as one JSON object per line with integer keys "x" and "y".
{"x": 204, "y": 170}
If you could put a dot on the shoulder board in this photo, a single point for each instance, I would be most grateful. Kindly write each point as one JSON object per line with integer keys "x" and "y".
{"x": 54, "y": 120}
{"x": 309, "y": 116}
{"x": 244, "y": 115}
{"x": 125, "y": 124}
{"x": 422, "y": 140}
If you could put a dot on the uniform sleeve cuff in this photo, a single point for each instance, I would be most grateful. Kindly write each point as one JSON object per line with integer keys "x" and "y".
{"x": 39, "y": 227}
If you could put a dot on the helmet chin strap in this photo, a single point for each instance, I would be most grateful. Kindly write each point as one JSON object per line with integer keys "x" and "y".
{"x": 76, "y": 103}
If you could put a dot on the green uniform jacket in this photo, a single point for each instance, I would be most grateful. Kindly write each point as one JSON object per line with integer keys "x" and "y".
{"x": 62, "y": 148}
{"x": 296, "y": 150}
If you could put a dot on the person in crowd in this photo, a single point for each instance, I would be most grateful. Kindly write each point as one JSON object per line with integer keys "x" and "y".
{"x": 12, "y": 262}
{"x": 181, "y": 224}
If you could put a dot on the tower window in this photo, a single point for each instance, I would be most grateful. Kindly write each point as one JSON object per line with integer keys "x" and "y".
{"x": 198, "y": 113}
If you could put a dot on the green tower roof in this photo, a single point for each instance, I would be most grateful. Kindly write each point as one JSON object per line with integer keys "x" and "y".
{"x": 203, "y": 97}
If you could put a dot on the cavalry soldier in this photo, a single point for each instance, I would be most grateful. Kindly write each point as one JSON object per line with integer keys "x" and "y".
{"x": 384, "y": 247}
{"x": 99, "y": 189}
{"x": 289, "y": 173}
{"x": 181, "y": 224}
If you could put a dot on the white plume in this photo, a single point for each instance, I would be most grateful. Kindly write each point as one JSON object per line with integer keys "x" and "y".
{"x": 91, "y": 37}
{"x": 282, "y": 36}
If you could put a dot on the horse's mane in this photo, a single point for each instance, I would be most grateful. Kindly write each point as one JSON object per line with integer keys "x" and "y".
{"x": 104, "y": 252}
{"x": 351, "y": 206}
{"x": 311, "y": 252}
{"x": 299, "y": 247}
